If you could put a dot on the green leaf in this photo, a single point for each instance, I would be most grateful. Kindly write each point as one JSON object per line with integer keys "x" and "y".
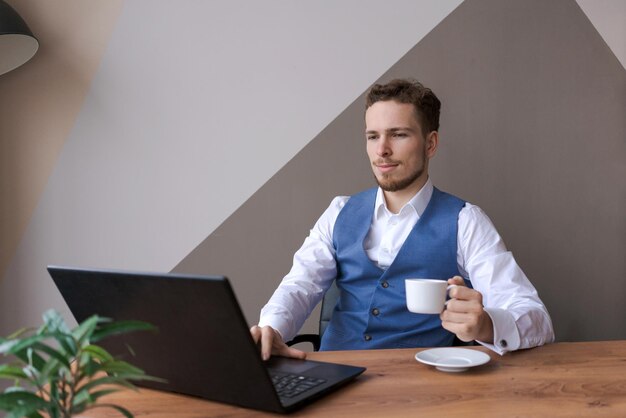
{"x": 107, "y": 380}
{"x": 98, "y": 352}
{"x": 120, "y": 327}
{"x": 22, "y": 349}
{"x": 18, "y": 333}
{"x": 24, "y": 357}
{"x": 88, "y": 369}
{"x": 8, "y": 371}
{"x": 54, "y": 390}
{"x": 7, "y": 345}
{"x": 31, "y": 372}
{"x": 52, "y": 368}
{"x": 26, "y": 343}
{"x": 84, "y": 331}
{"x": 55, "y": 322}
{"x": 121, "y": 367}
{"x": 80, "y": 401}
{"x": 97, "y": 395}
{"x": 34, "y": 360}
{"x": 20, "y": 398}
{"x": 66, "y": 341}
{"x": 84, "y": 399}
{"x": 53, "y": 353}
{"x": 24, "y": 411}
{"x": 79, "y": 408}
{"x": 14, "y": 389}
{"x": 90, "y": 361}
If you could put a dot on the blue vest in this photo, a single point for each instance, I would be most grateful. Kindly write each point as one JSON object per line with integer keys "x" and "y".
{"x": 371, "y": 311}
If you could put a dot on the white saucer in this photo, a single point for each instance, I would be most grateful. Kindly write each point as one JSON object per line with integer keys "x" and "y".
{"x": 452, "y": 359}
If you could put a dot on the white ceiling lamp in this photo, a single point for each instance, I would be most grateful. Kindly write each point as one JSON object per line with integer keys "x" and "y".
{"x": 17, "y": 43}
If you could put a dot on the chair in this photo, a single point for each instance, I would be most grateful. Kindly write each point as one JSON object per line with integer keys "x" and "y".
{"x": 328, "y": 305}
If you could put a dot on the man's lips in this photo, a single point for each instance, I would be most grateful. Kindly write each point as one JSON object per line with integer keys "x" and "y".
{"x": 385, "y": 167}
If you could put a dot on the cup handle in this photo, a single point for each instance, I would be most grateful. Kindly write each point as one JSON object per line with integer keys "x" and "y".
{"x": 447, "y": 295}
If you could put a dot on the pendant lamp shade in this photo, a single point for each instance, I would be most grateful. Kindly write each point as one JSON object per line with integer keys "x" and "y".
{"x": 17, "y": 43}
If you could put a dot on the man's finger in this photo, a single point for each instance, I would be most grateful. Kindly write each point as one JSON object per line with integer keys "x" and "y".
{"x": 457, "y": 280}
{"x": 255, "y": 331}
{"x": 292, "y": 352}
{"x": 466, "y": 294}
{"x": 458, "y": 318}
{"x": 267, "y": 340}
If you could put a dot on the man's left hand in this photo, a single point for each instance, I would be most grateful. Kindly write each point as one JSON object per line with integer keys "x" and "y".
{"x": 464, "y": 314}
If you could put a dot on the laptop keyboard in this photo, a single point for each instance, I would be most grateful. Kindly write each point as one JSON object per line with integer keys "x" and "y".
{"x": 290, "y": 385}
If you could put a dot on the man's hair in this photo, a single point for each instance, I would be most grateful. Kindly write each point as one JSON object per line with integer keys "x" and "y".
{"x": 427, "y": 105}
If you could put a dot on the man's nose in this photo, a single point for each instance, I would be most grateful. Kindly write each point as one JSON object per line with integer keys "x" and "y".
{"x": 383, "y": 148}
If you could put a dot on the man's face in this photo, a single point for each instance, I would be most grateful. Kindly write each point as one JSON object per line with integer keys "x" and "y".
{"x": 396, "y": 147}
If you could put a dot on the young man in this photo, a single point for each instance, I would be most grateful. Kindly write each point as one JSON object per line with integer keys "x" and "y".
{"x": 370, "y": 242}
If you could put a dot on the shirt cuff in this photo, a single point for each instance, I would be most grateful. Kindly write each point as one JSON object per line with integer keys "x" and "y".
{"x": 505, "y": 334}
{"x": 279, "y": 325}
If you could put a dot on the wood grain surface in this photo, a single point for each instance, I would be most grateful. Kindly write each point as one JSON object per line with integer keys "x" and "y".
{"x": 557, "y": 380}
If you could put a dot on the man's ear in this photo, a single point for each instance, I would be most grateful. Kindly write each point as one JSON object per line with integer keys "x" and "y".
{"x": 432, "y": 141}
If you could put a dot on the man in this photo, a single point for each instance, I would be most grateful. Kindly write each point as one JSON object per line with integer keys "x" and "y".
{"x": 370, "y": 242}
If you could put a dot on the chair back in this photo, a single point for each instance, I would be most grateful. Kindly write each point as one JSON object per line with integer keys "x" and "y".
{"x": 328, "y": 305}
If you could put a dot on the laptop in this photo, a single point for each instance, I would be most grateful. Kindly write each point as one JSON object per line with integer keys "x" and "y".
{"x": 203, "y": 346}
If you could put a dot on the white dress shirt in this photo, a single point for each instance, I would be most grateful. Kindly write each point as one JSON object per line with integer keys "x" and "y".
{"x": 519, "y": 317}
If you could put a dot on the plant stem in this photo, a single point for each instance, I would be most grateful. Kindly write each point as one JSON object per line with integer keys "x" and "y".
{"x": 75, "y": 377}
{"x": 42, "y": 392}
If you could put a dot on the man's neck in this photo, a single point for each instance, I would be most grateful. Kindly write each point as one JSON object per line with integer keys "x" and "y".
{"x": 396, "y": 200}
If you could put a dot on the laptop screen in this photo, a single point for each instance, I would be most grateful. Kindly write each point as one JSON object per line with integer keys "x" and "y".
{"x": 203, "y": 346}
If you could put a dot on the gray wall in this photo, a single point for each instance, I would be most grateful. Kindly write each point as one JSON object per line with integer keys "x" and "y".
{"x": 215, "y": 150}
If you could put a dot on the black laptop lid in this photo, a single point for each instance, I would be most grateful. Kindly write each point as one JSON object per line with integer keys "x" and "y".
{"x": 218, "y": 362}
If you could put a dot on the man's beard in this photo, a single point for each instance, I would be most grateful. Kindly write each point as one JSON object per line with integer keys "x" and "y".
{"x": 390, "y": 185}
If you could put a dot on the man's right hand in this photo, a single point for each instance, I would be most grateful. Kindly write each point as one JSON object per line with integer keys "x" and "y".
{"x": 272, "y": 343}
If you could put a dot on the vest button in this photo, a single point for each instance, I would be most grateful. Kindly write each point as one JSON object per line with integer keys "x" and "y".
{"x": 375, "y": 311}
{"x": 367, "y": 337}
{"x": 385, "y": 284}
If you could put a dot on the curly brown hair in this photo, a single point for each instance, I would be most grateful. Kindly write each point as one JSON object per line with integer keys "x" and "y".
{"x": 427, "y": 105}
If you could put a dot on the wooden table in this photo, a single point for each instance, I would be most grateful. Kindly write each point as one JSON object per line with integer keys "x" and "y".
{"x": 557, "y": 380}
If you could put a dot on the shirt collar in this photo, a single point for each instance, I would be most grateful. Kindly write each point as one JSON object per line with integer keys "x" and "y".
{"x": 417, "y": 203}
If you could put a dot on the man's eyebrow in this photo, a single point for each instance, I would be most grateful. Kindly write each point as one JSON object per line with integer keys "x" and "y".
{"x": 403, "y": 128}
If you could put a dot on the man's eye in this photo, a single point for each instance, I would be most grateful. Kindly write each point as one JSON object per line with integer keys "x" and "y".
{"x": 371, "y": 137}
{"x": 399, "y": 135}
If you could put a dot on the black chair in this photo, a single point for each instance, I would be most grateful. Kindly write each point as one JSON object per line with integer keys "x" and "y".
{"x": 328, "y": 305}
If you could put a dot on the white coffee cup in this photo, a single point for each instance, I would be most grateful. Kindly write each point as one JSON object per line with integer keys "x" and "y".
{"x": 426, "y": 296}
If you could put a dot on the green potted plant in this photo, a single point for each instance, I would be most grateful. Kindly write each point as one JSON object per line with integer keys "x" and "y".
{"x": 59, "y": 373}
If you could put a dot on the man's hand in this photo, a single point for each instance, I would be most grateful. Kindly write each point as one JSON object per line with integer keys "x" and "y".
{"x": 272, "y": 343}
{"x": 464, "y": 314}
